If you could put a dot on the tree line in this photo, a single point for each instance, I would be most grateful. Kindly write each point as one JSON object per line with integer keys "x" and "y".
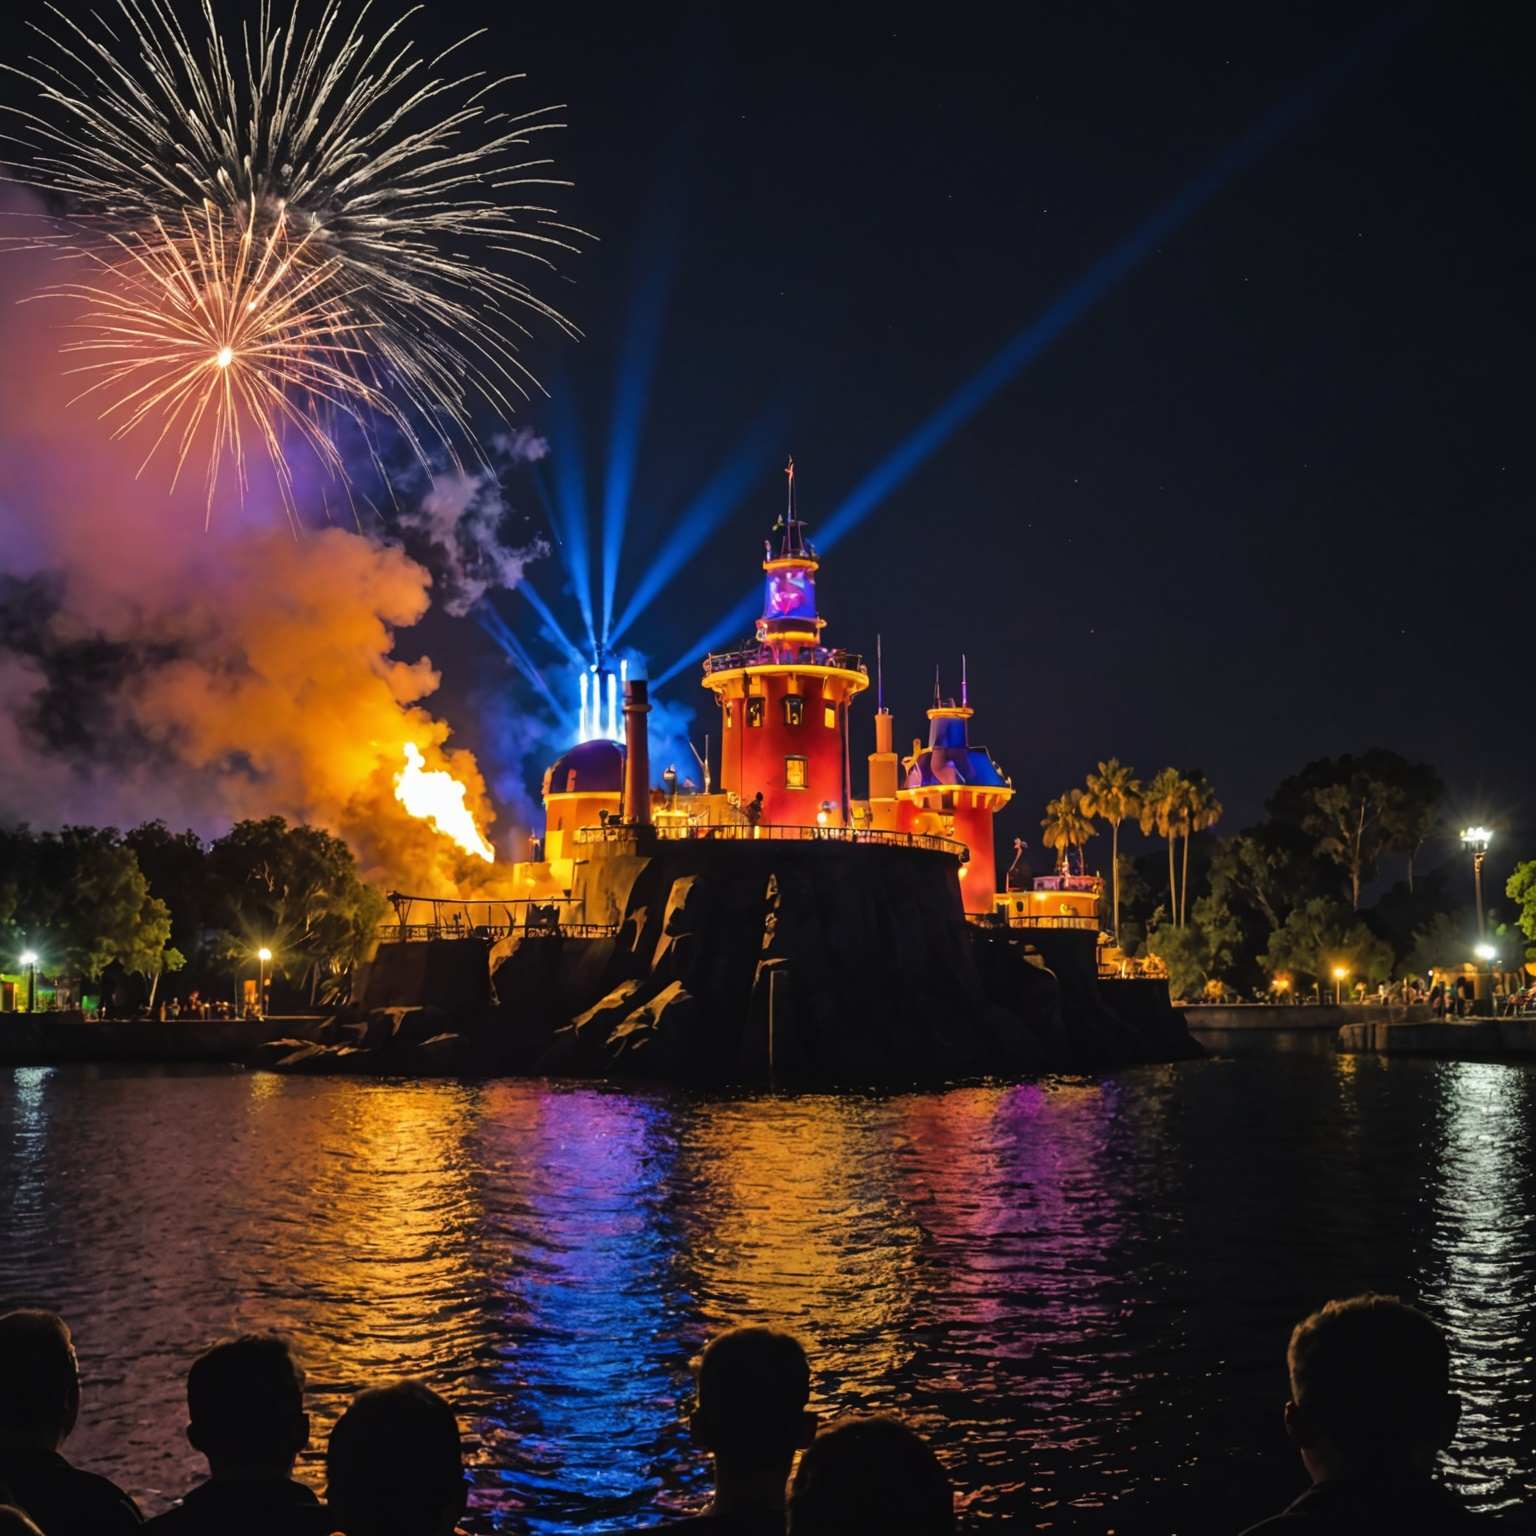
{"x": 1283, "y": 902}
{"x": 125, "y": 909}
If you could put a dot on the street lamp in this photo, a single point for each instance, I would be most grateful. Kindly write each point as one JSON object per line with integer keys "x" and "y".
{"x": 1477, "y": 839}
{"x": 263, "y": 955}
{"x": 29, "y": 961}
{"x": 1487, "y": 954}
{"x": 1339, "y": 973}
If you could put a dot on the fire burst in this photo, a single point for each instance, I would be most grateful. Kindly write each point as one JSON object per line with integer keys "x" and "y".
{"x": 208, "y": 336}
{"x": 437, "y": 797}
{"x": 390, "y": 181}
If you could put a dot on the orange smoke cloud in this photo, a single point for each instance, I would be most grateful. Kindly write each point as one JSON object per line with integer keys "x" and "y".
{"x": 199, "y": 677}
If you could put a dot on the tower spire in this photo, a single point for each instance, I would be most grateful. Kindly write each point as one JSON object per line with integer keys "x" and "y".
{"x": 879, "y": 674}
{"x": 794, "y": 530}
{"x": 936, "y": 694}
{"x": 964, "y": 692}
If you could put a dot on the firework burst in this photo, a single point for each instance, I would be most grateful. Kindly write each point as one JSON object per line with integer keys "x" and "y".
{"x": 379, "y": 187}
{"x": 207, "y": 337}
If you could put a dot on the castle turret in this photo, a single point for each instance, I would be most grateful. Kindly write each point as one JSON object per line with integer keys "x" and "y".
{"x": 884, "y": 766}
{"x": 955, "y": 789}
{"x": 784, "y": 700}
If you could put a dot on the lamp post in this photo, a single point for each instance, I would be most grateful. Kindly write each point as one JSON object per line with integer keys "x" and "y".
{"x": 1339, "y": 973}
{"x": 1488, "y": 955}
{"x": 29, "y": 960}
{"x": 263, "y": 955}
{"x": 1477, "y": 839}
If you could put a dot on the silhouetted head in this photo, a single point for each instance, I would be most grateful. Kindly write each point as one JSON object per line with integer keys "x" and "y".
{"x": 39, "y": 1380}
{"x": 394, "y": 1466}
{"x": 753, "y": 1385}
{"x": 16, "y": 1522}
{"x": 1370, "y": 1390}
{"x": 866, "y": 1475}
{"x": 245, "y": 1406}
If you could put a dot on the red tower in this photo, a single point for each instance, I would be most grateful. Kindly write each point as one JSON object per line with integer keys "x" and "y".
{"x": 955, "y": 789}
{"x": 784, "y": 700}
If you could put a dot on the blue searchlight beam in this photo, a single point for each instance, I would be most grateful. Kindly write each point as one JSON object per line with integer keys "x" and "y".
{"x": 1029, "y": 343}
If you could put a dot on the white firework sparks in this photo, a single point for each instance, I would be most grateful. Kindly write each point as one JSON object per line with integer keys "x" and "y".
{"x": 394, "y": 189}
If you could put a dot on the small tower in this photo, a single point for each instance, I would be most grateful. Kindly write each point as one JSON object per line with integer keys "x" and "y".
{"x": 884, "y": 776}
{"x": 784, "y": 699}
{"x": 955, "y": 789}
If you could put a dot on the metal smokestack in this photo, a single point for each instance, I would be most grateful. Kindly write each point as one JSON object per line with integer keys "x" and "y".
{"x": 637, "y": 757}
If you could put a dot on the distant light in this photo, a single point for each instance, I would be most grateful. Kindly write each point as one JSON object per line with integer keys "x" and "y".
{"x": 263, "y": 954}
{"x": 1486, "y": 952}
{"x": 1339, "y": 973}
{"x": 28, "y": 957}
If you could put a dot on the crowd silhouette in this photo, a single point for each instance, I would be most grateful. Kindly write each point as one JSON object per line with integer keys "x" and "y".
{"x": 1371, "y": 1408}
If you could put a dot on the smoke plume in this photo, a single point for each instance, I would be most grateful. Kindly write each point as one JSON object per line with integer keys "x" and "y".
{"x": 149, "y": 669}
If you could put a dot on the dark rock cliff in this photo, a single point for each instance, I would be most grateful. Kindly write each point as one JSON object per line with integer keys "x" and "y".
{"x": 816, "y": 961}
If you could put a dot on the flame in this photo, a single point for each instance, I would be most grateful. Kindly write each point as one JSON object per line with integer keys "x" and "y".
{"x": 438, "y": 797}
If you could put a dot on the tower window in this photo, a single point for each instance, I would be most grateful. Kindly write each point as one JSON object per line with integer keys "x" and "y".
{"x": 947, "y": 800}
{"x": 755, "y": 710}
{"x": 794, "y": 773}
{"x": 794, "y": 709}
{"x": 730, "y": 713}
{"x": 829, "y": 716}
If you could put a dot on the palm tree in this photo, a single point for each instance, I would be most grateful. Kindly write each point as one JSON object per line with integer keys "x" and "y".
{"x": 1200, "y": 809}
{"x": 1161, "y": 808}
{"x": 1067, "y": 827}
{"x": 1113, "y": 793}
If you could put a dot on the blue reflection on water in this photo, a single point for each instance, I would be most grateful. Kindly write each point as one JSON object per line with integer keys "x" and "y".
{"x": 593, "y": 1378}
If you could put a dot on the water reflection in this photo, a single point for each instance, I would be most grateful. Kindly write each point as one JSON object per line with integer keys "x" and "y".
{"x": 1477, "y": 1273}
{"x": 1079, "y": 1289}
{"x": 592, "y": 1325}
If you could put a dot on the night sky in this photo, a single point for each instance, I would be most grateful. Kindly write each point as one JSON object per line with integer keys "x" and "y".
{"x": 1265, "y": 499}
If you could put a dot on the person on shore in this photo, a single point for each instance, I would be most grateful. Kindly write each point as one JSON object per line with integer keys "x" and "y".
{"x": 871, "y": 1475}
{"x": 245, "y": 1412}
{"x": 1371, "y": 1408}
{"x": 750, "y": 1415}
{"x": 394, "y": 1465}
{"x": 39, "y": 1404}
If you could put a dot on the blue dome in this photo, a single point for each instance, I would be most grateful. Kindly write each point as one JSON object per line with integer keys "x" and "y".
{"x": 593, "y": 768}
{"x": 955, "y": 765}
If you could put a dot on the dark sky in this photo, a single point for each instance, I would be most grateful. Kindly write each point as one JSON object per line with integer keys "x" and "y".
{"x": 1267, "y": 499}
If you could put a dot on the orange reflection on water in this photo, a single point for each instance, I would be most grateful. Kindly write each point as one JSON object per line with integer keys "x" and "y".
{"x": 809, "y": 1232}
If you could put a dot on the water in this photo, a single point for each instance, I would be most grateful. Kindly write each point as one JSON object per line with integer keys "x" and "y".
{"x": 1080, "y": 1289}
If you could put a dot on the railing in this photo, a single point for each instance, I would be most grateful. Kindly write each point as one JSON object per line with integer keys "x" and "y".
{"x": 783, "y": 656}
{"x": 489, "y": 933}
{"x": 775, "y": 832}
{"x": 451, "y": 912}
{"x": 1088, "y": 924}
{"x": 1060, "y": 883}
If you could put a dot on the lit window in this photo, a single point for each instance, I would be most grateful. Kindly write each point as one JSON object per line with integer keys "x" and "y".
{"x": 829, "y": 716}
{"x": 794, "y": 773}
{"x": 794, "y": 709}
{"x": 755, "y": 711}
{"x": 730, "y": 713}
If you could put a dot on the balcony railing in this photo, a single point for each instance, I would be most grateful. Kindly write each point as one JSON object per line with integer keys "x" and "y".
{"x": 774, "y": 832}
{"x": 783, "y": 656}
{"x": 489, "y": 933}
{"x": 1088, "y": 924}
